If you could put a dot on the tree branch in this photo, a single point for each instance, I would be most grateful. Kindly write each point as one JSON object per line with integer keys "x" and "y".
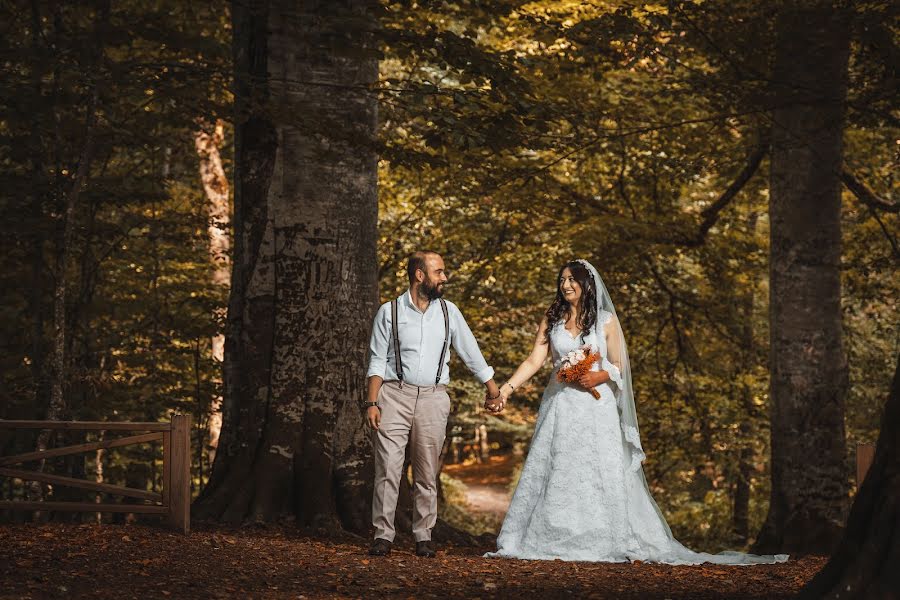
{"x": 874, "y": 204}
{"x": 711, "y": 214}
{"x": 865, "y": 195}
{"x": 886, "y": 233}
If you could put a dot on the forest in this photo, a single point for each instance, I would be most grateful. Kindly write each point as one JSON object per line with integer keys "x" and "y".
{"x": 207, "y": 202}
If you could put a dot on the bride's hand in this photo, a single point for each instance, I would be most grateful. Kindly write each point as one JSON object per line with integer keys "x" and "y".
{"x": 494, "y": 404}
{"x": 504, "y": 397}
{"x": 592, "y": 379}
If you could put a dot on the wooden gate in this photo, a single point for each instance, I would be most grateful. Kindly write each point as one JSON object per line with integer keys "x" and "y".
{"x": 175, "y": 499}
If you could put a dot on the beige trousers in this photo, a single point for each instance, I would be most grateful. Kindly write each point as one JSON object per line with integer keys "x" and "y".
{"x": 417, "y": 416}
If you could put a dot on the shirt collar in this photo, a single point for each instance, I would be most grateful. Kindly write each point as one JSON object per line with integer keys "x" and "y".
{"x": 409, "y": 301}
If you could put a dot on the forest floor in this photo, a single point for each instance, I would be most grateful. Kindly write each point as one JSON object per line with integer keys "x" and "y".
{"x": 145, "y": 561}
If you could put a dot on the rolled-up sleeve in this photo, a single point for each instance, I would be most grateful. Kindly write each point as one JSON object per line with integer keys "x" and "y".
{"x": 466, "y": 346}
{"x": 378, "y": 343}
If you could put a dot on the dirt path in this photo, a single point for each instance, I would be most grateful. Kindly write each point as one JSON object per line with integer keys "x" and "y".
{"x": 487, "y": 499}
{"x": 487, "y": 484}
{"x": 135, "y": 561}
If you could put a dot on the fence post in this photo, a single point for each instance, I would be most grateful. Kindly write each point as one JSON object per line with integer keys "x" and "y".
{"x": 865, "y": 454}
{"x": 179, "y": 473}
{"x": 167, "y": 467}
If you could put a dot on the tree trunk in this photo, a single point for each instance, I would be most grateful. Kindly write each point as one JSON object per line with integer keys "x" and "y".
{"x": 207, "y": 141}
{"x": 60, "y": 342}
{"x": 865, "y": 562}
{"x": 59, "y": 357}
{"x": 304, "y": 280}
{"x": 807, "y": 362}
{"x": 39, "y": 191}
{"x": 742, "y": 487}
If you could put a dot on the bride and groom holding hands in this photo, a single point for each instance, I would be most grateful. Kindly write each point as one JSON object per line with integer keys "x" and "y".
{"x": 582, "y": 494}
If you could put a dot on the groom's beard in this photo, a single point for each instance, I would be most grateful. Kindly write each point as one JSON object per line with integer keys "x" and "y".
{"x": 432, "y": 291}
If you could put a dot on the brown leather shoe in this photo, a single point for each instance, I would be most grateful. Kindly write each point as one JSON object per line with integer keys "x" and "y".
{"x": 425, "y": 548}
{"x": 380, "y": 547}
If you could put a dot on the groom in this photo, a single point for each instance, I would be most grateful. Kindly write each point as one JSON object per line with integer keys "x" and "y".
{"x": 407, "y": 395}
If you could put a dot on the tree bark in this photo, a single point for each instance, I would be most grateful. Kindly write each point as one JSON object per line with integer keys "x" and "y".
{"x": 39, "y": 190}
{"x": 865, "y": 562}
{"x": 807, "y": 361}
{"x": 207, "y": 141}
{"x": 304, "y": 280}
{"x": 59, "y": 357}
{"x": 741, "y": 509}
{"x": 746, "y": 455}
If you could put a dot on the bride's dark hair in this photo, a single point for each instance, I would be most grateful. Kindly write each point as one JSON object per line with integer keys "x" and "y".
{"x": 559, "y": 310}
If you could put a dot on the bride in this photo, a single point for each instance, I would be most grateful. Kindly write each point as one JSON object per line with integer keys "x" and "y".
{"x": 582, "y": 493}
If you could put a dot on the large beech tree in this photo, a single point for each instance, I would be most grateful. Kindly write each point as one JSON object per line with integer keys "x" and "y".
{"x": 808, "y": 367}
{"x": 304, "y": 280}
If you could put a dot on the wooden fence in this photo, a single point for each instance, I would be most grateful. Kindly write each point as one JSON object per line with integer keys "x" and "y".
{"x": 175, "y": 499}
{"x": 865, "y": 454}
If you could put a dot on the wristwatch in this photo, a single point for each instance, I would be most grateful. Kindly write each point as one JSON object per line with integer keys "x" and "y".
{"x": 368, "y": 404}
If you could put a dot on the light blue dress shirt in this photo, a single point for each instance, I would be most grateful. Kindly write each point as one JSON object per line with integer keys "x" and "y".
{"x": 421, "y": 342}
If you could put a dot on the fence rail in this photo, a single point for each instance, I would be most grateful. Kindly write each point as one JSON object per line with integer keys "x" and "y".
{"x": 175, "y": 499}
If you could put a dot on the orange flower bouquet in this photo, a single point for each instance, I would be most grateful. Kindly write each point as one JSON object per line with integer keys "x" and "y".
{"x": 575, "y": 364}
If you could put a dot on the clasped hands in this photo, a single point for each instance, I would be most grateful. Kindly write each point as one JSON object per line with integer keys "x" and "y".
{"x": 496, "y": 403}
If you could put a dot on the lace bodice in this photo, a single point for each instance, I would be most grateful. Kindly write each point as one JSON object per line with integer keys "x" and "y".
{"x": 562, "y": 342}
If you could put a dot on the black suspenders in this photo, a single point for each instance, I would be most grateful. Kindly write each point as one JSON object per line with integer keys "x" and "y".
{"x": 437, "y": 378}
{"x": 396, "y": 337}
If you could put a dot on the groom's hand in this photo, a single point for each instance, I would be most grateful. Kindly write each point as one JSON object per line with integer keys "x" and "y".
{"x": 492, "y": 399}
{"x": 373, "y": 417}
{"x": 495, "y": 404}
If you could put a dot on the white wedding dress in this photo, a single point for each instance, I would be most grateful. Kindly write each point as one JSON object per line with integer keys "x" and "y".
{"x": 582, "y": 494}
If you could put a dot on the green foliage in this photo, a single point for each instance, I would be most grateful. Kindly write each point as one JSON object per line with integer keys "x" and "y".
{"x": 604, "y": 131}
{"x": 707, "y": 523}
{"x": 514, "y": 136}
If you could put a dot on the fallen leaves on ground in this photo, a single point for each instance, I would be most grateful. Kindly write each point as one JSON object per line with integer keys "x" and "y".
{"x": 138, "y": 561}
